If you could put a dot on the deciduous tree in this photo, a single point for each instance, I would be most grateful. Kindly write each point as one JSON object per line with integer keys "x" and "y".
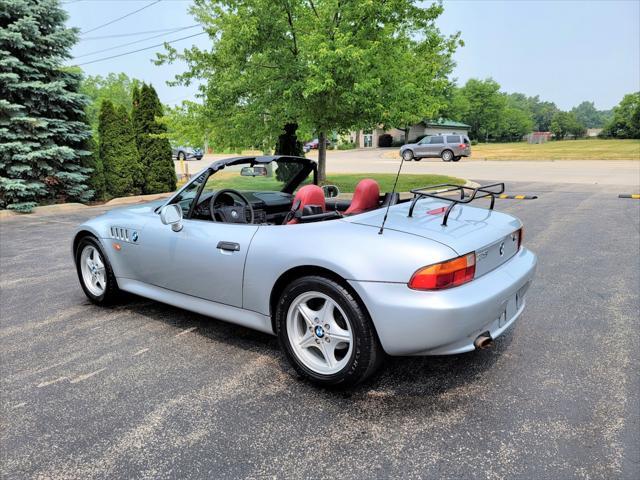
{"x": 484, "y": 107}
{"x": 116, "y": 87}
{"x": 326, "y": 65}
{"x": 625, "y": 120}
{"x": 565, "y": 123}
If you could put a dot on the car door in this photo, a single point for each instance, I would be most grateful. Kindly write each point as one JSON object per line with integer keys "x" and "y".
{"x": 205, "y": 259}
{"x": 436, "y": 145}
{"x": 422, "y": 148}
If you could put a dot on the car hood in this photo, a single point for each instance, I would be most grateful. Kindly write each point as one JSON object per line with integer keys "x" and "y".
{"x": 468, "y": 228}
{"x": 138, "y": 208}
{"x": 408, "y": 145}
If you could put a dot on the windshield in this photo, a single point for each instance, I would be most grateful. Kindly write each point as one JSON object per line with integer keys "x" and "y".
{"x": 272, "y": 176}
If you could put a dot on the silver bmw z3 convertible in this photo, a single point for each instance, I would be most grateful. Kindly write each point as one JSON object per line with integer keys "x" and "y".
{"x": 255, "y": 241}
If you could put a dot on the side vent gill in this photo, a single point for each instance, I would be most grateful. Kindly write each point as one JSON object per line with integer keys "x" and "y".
{"x": 120, "y": 233}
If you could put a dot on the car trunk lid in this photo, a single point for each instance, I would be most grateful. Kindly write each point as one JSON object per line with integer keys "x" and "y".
{"x": 469, "y": 229}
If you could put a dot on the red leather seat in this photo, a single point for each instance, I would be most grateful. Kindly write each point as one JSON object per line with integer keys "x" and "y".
{"x": 307, "y": 195}
{"x": 365, "y": 198}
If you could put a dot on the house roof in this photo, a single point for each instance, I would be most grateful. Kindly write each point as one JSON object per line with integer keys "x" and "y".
{"x": 445, "y": 122}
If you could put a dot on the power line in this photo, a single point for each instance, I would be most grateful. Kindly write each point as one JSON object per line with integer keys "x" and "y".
{"x": 133, "y": 43}
{"x": 122, "y": 17}
{"x": 134, "y": 34}
{"x": 140, "y": 49}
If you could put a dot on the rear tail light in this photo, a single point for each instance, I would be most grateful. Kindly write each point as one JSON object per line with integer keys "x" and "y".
{"x": 446, "y": 274}
{"x": 463, "y": 145}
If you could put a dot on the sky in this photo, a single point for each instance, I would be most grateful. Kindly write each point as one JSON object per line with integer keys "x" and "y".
{"x": 565, "y": 51}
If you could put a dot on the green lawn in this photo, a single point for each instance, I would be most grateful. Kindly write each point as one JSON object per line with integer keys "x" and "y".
{"x": 592, "y": 149}
{"x": 346, "y": 182}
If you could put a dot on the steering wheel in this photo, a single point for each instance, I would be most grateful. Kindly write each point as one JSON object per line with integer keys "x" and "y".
{"x": 230, "y": 213}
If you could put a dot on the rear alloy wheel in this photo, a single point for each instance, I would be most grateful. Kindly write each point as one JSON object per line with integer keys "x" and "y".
{"x": 446, "y": 156}
{"x": 407, "y": 155}
{"x": 326, "y": 335}
{"x": 95, "y": 273}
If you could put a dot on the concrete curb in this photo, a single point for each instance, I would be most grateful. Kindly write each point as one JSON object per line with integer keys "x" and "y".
{"x": 45, "y": 210}
{"x": 69, "y": 207}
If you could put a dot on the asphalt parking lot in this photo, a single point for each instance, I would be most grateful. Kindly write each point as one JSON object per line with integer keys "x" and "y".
{"x": 143, "y": 390}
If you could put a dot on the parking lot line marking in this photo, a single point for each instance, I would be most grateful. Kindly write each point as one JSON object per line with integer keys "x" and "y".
{"x": 140, "y": 352}
{"x": 51, "y": 382}
{"x": 85, "y": 376}
{"x": 186, "y": 331}
{"x": 21, "y": 404}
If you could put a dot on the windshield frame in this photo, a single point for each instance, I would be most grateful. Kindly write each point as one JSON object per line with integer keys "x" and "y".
{"x": 309, "y": 166}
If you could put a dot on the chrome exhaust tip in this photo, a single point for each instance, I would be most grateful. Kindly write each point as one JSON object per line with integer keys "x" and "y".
{"x": 483, "y": 341}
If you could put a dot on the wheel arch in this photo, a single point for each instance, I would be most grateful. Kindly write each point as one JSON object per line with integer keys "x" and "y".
{"x": 86, "y": 232}
{"x": 304, "y": 271}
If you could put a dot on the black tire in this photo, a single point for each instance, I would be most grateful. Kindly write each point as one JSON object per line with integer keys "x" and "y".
{"x": 417, "y": 159}
{"x": 456, "y": 159}
{"x": 181, "y": 156}
{"x": 447, "y": 155}
{"x": 367, "y": 354}
{"x": 407, "y": 155}
{"x": 111, "y": 292}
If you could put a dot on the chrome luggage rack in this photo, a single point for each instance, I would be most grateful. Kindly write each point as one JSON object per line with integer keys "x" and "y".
{"x": 475, "y": 193}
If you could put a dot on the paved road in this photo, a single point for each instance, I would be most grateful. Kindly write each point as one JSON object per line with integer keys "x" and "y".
{"x": 144, "y": 390}
{"x": 603, "y": 172}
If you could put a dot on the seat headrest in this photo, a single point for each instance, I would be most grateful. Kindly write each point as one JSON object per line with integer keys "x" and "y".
{"x": 366, "y": 197}
{"x": 308, "y": 195}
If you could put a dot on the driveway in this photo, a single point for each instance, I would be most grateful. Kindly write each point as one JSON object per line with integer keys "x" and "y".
{"x": 144, "y": 390}
{"x": 594, "y": 172}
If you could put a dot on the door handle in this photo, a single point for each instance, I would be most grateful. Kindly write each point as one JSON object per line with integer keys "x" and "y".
{"x": 229, "y": 246}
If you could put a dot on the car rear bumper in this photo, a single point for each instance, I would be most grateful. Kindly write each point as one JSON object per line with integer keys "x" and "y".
{"x": 411, "y": 322}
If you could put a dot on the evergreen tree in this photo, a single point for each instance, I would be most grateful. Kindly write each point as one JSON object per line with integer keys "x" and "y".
{"x": 155, "y": 151}
{"x": 118, "y": 152}
{"x": 94, "y": 162}
{"x": 43, "y": 132}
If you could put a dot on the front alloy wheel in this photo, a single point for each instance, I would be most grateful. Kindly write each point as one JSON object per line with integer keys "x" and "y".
{"x": 94, "y": 272}
{"x": 325, "y": 333}
{"x": 407, "y": 155}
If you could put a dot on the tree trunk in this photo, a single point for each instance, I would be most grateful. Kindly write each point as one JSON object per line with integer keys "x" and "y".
{"x": 322, "y": 157}
{"x": 406, "y": 135}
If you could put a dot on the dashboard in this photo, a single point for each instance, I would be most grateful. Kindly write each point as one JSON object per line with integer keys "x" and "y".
{"x": 268, "y": 207}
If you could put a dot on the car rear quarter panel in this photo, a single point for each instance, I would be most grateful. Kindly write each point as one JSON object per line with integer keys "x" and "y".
{"x": 354, "y": 252}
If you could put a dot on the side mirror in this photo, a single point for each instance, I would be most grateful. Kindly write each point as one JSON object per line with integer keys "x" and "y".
{"x": 330, "y": 191}
{"x": 172, "y": 215}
